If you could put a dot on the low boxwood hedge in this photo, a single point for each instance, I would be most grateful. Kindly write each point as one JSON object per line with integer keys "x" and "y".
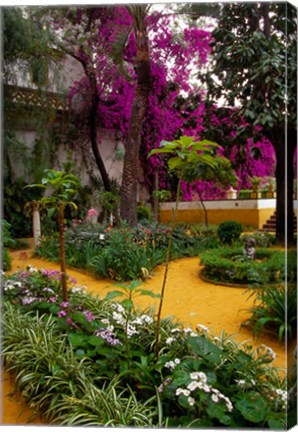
{"x": 230, "y": 265}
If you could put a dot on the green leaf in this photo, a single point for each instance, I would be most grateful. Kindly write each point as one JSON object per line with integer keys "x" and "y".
{"x": 204, "y": 348}
{"x": 252, "y": 407}
{"x": 149, "y": 293}
{"x": 77, "y": 340}
{"x": 174, "y": 163}
{"x": 113, "y": 294}
{"x": 128, "y": 304}
{"x": 95, "y": 341}
{"x": 276, "y": 424}
{"x": 160, "y": 150}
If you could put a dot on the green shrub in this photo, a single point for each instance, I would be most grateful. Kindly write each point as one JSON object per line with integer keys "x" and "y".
{"x": 274, "y": 309}
{"x": 244, "y": 194}
{"x": 229, "y": 231}
{"x": 8, "y": 242}
{"x": 15, "y": 197}
{"x": 144, "y": 213}
{"x": 6, "y": 260}
{"x": 123, "y": 259}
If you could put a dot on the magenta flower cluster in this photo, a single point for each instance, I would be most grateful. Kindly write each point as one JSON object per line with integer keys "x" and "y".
{"x": 175, "y": 106}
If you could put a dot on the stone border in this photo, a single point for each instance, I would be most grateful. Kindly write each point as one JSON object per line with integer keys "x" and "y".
{"x": 227, "y": 284}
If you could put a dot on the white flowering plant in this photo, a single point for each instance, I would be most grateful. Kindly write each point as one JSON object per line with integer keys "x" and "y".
{"x": 198, "y": 380}
{"x": 220, "y": 383}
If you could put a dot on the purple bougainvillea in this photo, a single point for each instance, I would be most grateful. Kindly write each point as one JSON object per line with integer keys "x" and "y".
{"x": 176, "y": 105}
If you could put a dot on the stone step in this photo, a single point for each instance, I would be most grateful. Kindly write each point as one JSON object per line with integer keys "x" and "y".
{"x": 270, "y": 224}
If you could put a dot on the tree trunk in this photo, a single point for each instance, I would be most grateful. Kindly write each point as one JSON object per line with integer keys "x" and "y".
{"x": 128, "y": 202}
{"x": 94, "y": 143}
{"x": 284, "y": 183}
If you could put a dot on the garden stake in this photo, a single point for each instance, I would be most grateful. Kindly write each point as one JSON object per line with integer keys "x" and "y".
{"x": 62, "y": 251}
{"x": 174, "y": 216}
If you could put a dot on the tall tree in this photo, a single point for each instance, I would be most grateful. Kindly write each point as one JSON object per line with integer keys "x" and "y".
{"x": 77, "y": 31}
{"x": 255, "y": 65}
{"x": 128, "y": 204}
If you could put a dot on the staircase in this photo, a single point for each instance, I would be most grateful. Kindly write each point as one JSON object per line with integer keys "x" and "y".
{"x": 270, "y": 225}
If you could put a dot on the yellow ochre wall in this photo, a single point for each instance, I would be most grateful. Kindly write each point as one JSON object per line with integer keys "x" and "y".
{"x": 252, "y": 217}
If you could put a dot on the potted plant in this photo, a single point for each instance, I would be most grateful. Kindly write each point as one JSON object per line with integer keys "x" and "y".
{"x": 255, "y": 183}
{"x": 271, "y": 187}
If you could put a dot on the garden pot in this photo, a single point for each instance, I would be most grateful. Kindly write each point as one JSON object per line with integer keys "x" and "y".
{"x": 231, "y": 193}
{"x": 255, "y": 195}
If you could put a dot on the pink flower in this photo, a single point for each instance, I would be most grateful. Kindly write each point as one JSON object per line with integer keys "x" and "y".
{"x": 92, "y": 212}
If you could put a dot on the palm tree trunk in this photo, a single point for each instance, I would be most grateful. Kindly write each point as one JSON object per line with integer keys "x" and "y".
{"x": 128, "y": 202}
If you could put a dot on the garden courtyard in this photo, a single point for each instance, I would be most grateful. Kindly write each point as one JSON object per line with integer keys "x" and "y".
{"x": 149, "y": 224}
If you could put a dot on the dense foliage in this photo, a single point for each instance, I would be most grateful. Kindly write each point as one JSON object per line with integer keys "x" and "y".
{"x": 229, "y": 231}
{"x": 123, "y": 253}
{"x": 78, "y": 361}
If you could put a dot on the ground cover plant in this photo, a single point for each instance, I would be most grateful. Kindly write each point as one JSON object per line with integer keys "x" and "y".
{"x": 91, "y": 362}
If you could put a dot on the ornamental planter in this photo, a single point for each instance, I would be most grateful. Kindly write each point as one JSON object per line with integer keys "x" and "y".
{"x": 232, "y": 193}
{"x": 255, "y": 195}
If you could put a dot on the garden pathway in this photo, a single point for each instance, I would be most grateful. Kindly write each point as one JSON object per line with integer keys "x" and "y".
{"x": 188, "y": 298}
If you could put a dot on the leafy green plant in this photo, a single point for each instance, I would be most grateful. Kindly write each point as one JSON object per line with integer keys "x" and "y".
{"x": 129, "y": 292}
{"x": 275, "y": 309}
{"x": 7, "y": 242}
{"x": 229, "y": 231}
{"x": 188, "y": 159}
{"x": 62, "y": 187}
{"x": 123, "y": 259}
{"x": 143, "y": 213}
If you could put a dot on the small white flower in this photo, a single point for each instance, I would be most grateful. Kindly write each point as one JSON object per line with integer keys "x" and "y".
{"x": 120, "y": 308}
{"x": 215, "y": 398}
{"x": 206, "y": 388}
{"x": 175, "y": 330}
{"x": 241, "y": 383}
{"x": 202, "y": 327}
{"x": 191, "y": 401}
{"x": 170, "y": 365}
{"x": 105, "y": 321}
{"x": 182, "y": 391}
{"x": 194, "y": 375}
{"x": 202, "y": 376}
{"x": 177, "y": 361}
{"x": 147, "y": 319}
{"x": 193, "y": 385}
{"x": 193, "y": 334}
{"x": 187, "y": 330}
{"x": 170, "y": 340}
